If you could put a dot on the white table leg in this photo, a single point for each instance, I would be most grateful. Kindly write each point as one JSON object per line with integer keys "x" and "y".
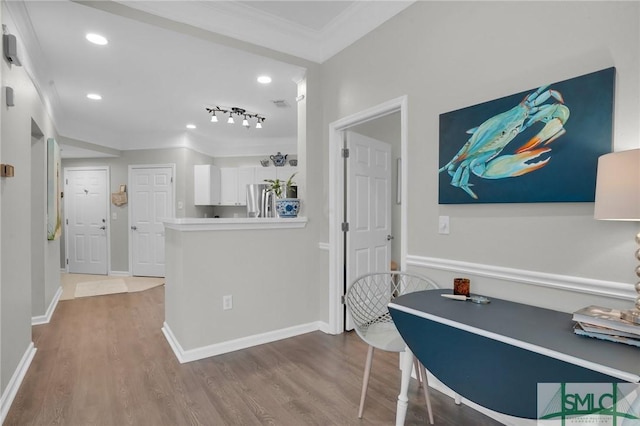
{"x": 403, "y": 399}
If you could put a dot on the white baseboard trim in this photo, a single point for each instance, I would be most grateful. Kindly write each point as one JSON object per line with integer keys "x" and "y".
{"x": 611, "y": 289}
{"x": 44, "y": 319}
{"x": 324, "y": 327}
{"x": 119, "y": 273}
{"x": 238, "y": 344}
{"x": 11, "y": 390}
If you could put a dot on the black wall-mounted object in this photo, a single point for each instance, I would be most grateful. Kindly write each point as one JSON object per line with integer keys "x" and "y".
{"x": 10, "y": 48}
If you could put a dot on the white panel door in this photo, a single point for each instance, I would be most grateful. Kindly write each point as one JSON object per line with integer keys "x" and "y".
{"x": 151, "y": 200}
{"x": 368, "y": 207}
{"x": 86, "y": 211}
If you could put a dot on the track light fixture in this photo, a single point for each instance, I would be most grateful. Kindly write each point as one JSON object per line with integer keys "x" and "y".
{"x": 240, "y": 112}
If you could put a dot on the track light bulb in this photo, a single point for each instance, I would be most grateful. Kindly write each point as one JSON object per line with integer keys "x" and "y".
{"x": 258, "y": 125}
{"x": 230, "y": 120}
{"x": 245, "y": 122}
{"x": 214, "y": 118}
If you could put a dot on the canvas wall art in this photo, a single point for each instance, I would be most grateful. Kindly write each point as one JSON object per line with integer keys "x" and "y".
{"x": 54, "y": 216}
{"x": 540, "y": 145}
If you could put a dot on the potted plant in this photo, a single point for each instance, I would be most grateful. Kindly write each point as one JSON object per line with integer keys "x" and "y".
{"x": 286, "y": 193}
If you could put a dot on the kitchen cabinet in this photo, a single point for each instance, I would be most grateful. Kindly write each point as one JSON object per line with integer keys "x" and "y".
{"x": 206, "y": 185}
{"x": 233, "y": 185}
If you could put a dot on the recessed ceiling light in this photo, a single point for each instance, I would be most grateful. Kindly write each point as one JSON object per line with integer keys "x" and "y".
{"x": 264, "y": 79}
{"x": 191, "y": 126}
{"x": 97, "y": 39}
{"x": 94, "y": 96}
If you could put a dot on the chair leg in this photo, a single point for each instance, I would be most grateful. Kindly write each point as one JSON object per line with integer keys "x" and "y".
{"x": 365, "y": 380}
{"x": 416, "y": 366}
{"x": 425, "y": 383}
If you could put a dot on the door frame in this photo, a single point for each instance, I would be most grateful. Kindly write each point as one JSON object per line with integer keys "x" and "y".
{"x": 336, "y": 198}
{"x": 171, "y": 166}
{"x": 107, "y": 169}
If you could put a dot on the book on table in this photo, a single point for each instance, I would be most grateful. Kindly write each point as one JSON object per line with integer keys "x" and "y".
{"x": 591, "y": 328}
{"x": 606, "y": 317}
{"x": 577, "y": 329}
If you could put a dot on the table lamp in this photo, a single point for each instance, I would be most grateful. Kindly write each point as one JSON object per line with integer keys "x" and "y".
{"x": 618, "y": 198}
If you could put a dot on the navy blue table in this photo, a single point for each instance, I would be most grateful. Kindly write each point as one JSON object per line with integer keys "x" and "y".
{"x": 495, "y": 354}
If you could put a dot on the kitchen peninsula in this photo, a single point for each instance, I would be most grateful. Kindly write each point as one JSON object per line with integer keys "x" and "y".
{"x": 257, "y": 266}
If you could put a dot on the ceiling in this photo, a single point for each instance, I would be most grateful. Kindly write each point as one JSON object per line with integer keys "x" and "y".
{"x": 156, "y": 76}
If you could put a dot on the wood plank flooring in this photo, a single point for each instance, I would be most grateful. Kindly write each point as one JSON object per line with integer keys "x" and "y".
{"x": 104, "y": 361}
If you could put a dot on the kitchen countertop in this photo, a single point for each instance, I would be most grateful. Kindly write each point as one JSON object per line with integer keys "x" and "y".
{"x": 188, "y": 224}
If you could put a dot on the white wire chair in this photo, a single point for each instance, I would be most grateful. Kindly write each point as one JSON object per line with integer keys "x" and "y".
{"x": 367, "y": 301}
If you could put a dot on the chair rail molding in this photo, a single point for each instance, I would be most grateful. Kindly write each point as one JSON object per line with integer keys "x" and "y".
{"x": 611, "y": 289}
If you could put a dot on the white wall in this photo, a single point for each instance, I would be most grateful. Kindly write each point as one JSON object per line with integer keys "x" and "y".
{"x": 264, "y": 270}
{"x": 449, "y": 55}
{"x": 16, "y": 223}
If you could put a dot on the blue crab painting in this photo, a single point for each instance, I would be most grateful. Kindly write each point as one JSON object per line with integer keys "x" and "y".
{"x": 540, "y": 145}
{"x": 481, "y": 154}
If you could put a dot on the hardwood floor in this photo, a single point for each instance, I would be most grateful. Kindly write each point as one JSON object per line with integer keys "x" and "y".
{"x": 104, "y": 361}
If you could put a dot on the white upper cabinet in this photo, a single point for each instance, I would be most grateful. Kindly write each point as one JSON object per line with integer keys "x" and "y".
{"x": 234, "y": 181}
{"x": 227, "y": 186}
{"x": 206, "y": 185}
{"x": 246, "y": 176}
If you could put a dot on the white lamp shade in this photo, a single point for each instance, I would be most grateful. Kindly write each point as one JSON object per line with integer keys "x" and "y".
{"x": 618, "y": 186}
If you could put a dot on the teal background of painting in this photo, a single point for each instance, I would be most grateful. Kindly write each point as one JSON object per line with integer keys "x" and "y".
{"x": 569, "y": 176}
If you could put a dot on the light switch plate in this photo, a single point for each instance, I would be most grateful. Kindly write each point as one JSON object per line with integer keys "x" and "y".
{"x": 443, "y": 225}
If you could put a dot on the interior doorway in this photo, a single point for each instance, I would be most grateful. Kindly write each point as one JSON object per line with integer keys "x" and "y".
{"x": 367, "y": 203}
{"x": 86, "y": 223}
{"x": 395, "y": 110}
{"x": 38, "y": 220}
{"x": 151, "y": 199}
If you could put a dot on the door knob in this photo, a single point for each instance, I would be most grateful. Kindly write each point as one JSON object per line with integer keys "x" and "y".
{"x": 103, "y": 227}
{"x": 389, "y": 237}
{"x": 133, "y": 227}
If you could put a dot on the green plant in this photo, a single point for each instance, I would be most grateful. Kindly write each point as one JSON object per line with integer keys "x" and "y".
{"x": 275, "y": 186}
{"x": 290, "y": 182}
{"x": 278, "y": 186}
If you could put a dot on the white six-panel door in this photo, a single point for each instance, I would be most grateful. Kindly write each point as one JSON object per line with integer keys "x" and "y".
{"x": 86, "y": 220}
{"x": 151, "y": 199}
{"x": 368, "y": 207}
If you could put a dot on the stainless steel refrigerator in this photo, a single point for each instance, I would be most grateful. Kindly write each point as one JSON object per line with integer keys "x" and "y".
{"x": 260, "y": 201}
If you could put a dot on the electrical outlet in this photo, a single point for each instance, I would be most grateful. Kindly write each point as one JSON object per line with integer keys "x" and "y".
{"x": 227, "y": 302}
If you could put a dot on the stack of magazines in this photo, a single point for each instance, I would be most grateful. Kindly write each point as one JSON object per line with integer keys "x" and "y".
{"x": 606, "y": 324}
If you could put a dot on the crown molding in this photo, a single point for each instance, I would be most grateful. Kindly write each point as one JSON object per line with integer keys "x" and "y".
{"x": 245, "y": 23}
